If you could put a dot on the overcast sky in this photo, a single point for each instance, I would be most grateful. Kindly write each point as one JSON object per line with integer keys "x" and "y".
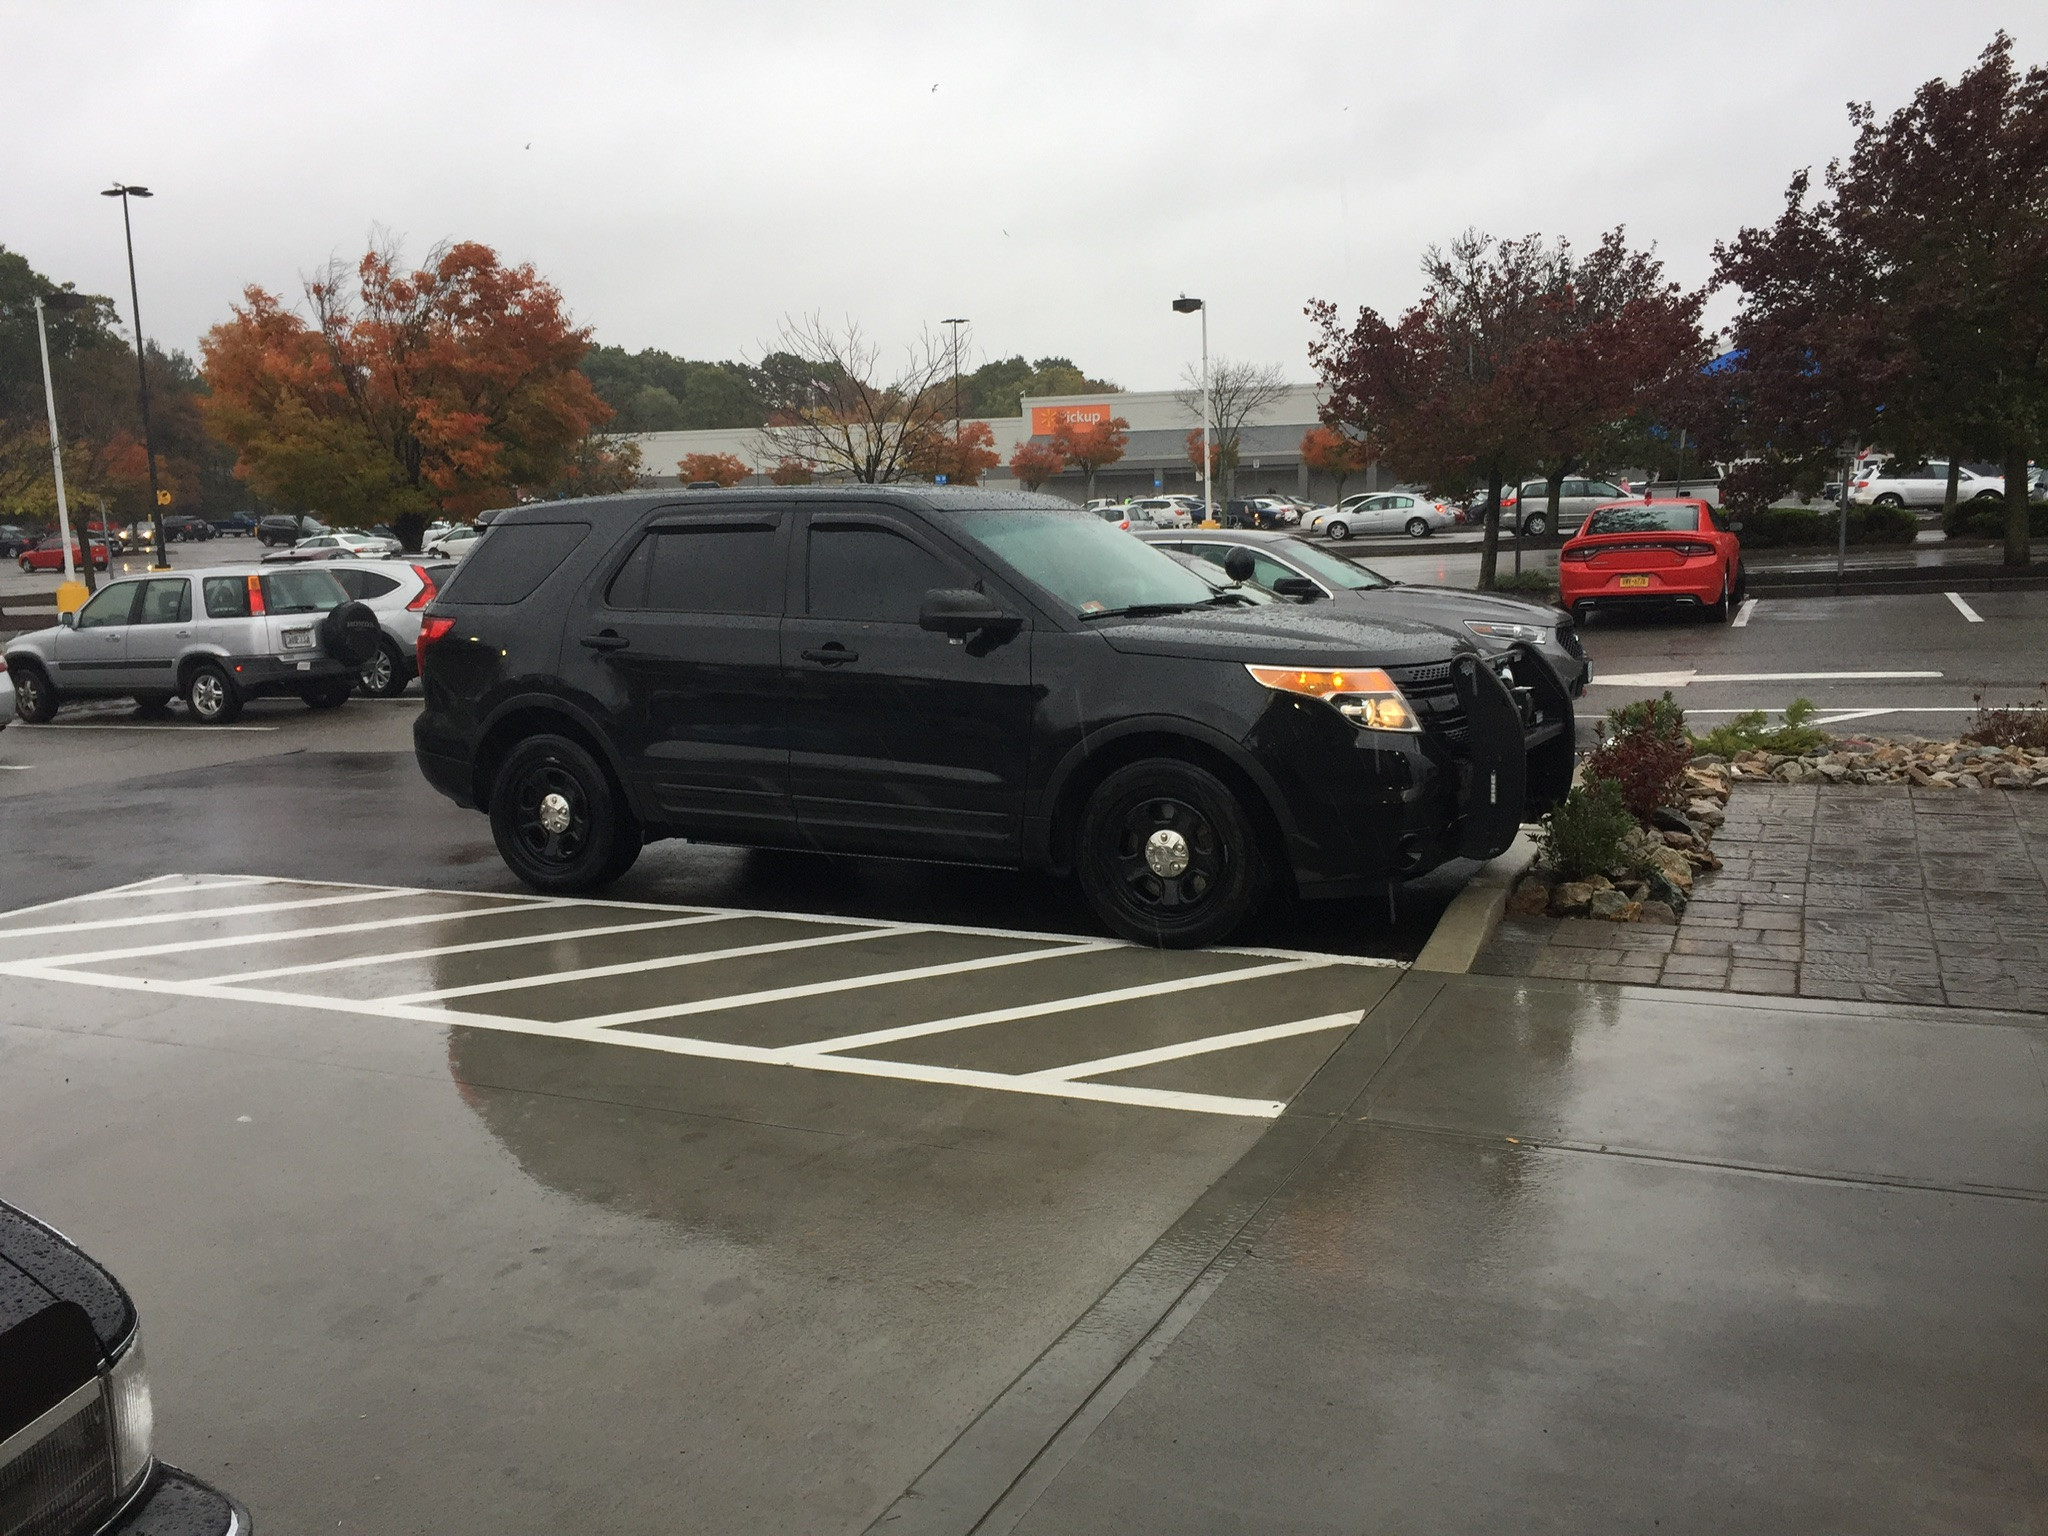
{"x": 689, "y": 173}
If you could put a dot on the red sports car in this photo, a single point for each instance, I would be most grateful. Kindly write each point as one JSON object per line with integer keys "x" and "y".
{"x": 48, "y": 555}
{"x": 1640, "y": 554}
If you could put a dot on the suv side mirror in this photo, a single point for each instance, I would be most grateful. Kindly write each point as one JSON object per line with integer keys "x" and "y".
{"x": 959, "y": 612}
{"x": 1298, "y": 586}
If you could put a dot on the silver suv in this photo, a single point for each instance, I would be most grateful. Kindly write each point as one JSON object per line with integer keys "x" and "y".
{"x": 397, "y": 591}
{"x": 215, "y": 637}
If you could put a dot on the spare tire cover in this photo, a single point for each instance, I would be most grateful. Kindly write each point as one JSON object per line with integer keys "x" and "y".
{"x": 350, "y": 634}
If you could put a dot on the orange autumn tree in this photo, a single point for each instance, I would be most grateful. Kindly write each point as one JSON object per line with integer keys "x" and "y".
{"x": 446, "y": 389}
{"x": 1092, "y": 445}
{"x": 1035, "y": 463}
{"x": 1327, "y": 451}
{"x": 722, "y": 468}
{"x": 963, "y": 455}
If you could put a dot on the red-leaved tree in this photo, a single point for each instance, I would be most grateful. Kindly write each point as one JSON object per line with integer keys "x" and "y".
{"x": 1327, "y": 451}
{"x": 963, "y": 452}
{"x": 722, "y": 468}
{"x": 1092, "y": 445}
{"x": 1034, "y": 463}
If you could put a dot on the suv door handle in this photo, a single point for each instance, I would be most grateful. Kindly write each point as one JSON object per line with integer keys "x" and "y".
{"x": 609, "y": 640}
{"x": 832, "y": 655}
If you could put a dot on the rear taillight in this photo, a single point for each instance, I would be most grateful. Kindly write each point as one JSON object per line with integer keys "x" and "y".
{"x": 255, "y": 596}
{"x": 1583, "y": 554}
{"x": 431, "y": 629}
{"x": 1693, "y": 551}
{"x": 427, "y": 590}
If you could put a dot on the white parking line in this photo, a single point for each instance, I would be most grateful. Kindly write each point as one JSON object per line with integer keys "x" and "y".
{"x": 200, "y": 912}
{"x": 1686, "y": 678}
{"x": 69, "y": 725}
{"x": 1131, "y": 1060}
{"x": 1964, "y": 608}
{"x": 286, "y": 935}
{"x": 1742, "y": 614}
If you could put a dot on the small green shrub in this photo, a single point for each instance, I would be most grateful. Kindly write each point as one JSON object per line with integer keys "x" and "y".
{"x": 1986, "y": 520}
{"x": 1658, "y": 717}
{"x": 1525, "y": 581}
{"x": 1795, "y": 527}
{"x": 1583, "y": 834}
{"x": 1752, "y": 733}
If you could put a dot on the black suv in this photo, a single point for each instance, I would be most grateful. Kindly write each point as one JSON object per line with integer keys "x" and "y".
{"x": 75, "y": 1416}
{"x": 960, "y": 675}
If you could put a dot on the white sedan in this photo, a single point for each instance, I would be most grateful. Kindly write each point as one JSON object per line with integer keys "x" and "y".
{"x": 456, "y": 542}
{"x": 1382, "y": 512}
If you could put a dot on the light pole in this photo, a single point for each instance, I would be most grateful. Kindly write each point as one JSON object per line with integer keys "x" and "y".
{"x": 1187, "y": 306}
{"x": 156, "y": 506}
{"x": 954, "y": 325}
{"x": 60, "y": 301}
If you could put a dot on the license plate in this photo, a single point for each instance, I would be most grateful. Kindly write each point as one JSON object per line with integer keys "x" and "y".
{"x": 302, "y": 639}
{"x": 1633, "y": 581}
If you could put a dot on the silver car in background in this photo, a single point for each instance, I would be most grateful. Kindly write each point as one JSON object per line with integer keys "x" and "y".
{"x": 397, "y": 591}
{"x": 1382, "y": 512}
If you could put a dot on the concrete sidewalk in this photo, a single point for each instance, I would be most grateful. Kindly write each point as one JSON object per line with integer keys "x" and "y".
{"x": 1886, "y": 893}
{"x": 1578, "y": 1258}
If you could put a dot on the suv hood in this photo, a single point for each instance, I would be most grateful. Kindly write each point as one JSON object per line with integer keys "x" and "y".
{"x": 1285, "y": 635}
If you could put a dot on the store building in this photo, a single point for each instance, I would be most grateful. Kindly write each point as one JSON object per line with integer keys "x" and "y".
{"x": 1156, "y": 458}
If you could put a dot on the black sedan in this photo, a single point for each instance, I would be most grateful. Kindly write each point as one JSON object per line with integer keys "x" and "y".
{"x": 1298, "y": 572}
{"x": 75, "y": 1421}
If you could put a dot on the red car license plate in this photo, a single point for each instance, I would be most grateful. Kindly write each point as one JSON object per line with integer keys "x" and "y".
{"x": 1633, "y": 581}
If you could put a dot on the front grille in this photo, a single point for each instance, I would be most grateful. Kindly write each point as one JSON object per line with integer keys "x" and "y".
{"x": 1429, "y": 690}
{"x": 65, "y": 1481}
{"x": 1568, "y": 637}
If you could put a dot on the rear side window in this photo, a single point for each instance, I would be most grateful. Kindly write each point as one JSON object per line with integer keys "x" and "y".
{"x": 166, "y": 600}
{"x": 513, "y": 559}
{"x": 302, "y": 592}
{"x": 363, "y": 584}
{"x": 227, "y": 597}
{"x": 872, "y": 574}
{"x": 717, "y": 568}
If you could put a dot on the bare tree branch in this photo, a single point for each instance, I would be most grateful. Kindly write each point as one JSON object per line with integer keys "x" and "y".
{"x": 1239, "y": 393}
{"x": 837, "y": 416}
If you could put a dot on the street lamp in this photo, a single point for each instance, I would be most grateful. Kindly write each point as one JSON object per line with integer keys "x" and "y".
{"x": 954, "y": 325}
{"x": 1187, "y": 306}
{"x": 60, "y": 301}
{"x": 156, "y": 504}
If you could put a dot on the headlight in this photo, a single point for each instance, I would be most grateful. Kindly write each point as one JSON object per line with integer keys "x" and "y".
{"x": 134, "y": 1419}
{"x": 1532, "y": 633}
{"x": 1366, "y": 696}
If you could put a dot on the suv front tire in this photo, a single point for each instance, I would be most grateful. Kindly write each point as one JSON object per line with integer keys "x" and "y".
{"x": 1167, "y": 855}
{"x": 558, "y": 823}
{"x": 211, "y": 694}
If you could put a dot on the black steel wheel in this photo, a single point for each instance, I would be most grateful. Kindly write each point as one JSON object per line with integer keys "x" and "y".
{"x": 1168, "y": 855}
{"x": 35, "y": 699}
{"x": 211, "y": 694}
{"x": 556, "y": 819}
{"x": 385, "y": 675}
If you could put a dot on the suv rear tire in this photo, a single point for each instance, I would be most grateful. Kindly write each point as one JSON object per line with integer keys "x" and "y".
{"x": 558, "y": 823}
{"x": 385, "y": 675}
{"x": 35, "y": 698}
{"x": 330, "y": 695}
{"x": 211, "y": 695}
{"x": 1167, "y": 855}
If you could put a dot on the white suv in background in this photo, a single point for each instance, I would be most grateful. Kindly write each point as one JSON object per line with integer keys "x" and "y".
{"x": 1899, "y": 484}
{"x": 397, "y": 591}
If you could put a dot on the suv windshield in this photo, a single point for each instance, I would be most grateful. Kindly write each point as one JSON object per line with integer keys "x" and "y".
{"x": 1088, "y": 565}
{"x": 302, "y": 592}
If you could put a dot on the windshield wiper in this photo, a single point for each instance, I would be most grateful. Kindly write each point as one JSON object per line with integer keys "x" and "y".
{"x": 1142, "y": 610}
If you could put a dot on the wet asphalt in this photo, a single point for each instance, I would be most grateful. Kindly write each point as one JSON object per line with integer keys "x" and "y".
{"x": 807, "y": 1195}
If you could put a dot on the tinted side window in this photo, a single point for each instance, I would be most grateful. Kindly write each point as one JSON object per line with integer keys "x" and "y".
{"x": 111, "y": 605}
{"x": 719, "y": 568}
{"x": 513, "y": 559}
{"x": 870, "y": 573}
{"x": 227, "y": 597}
{"x": 362, "y": 584}
{"x": 167, "y": 600}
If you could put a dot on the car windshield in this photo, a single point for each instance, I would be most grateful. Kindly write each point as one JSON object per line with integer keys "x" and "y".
{"x": 1645, "y": 519}
{"x": 1094, "y": 569}
{"x": 302, "y": 592}
{"x": 1339, "y": 573}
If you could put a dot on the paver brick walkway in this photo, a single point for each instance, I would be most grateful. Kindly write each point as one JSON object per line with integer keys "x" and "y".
{"x": 1884, "y": 893}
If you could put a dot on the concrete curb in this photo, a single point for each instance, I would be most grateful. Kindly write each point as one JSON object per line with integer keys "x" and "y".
{"x": 1468, "y": 922}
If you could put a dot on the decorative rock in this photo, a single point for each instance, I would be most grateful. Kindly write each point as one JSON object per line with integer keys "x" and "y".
{"x": 1666, "y": 819}
{"x": 1531, "y": 898}
{"x": 1608, "y": 904}
{"x": 1665, "y": 893}
{"x": 1680, "y": 840}
{"x": 1705, "y": 812}
{"x": 1599, "y": 883}
{"x": 1570, "y": 898}
{"x": 1657, "y": 912}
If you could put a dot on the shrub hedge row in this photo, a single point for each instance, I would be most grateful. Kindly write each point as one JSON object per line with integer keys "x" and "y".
{"x": 1793, "y": 527}
{"x": 1986, "y": 520}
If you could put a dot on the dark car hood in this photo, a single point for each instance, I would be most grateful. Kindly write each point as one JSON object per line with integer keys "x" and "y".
{"x": 1285, "y": 635}
{"x": 38, "y": 1266}
{"x": 1452, "y": 606}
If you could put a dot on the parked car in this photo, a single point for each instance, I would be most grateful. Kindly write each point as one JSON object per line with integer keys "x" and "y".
{"x": 188, "y": 528}
{"x": 1380, "y": 512}
{"x": 455, "y": 543}
{"x": 1576, "y": 500}
{"x": 1259, "y": 512}
{"x": 77, "y": 1426}
{"x": 397, "y": 591}
{"x": 47, "y": 554}
{"x": 236, "y": 523}
{"x": 1295, "y": 572}
{"x": 1115, "y": 514}
{"x": 338, "y": 546}
{"x": 1898, "y": 483}
{"x": 6, "y": 695}
{"x": 284, "y": 529}
{"x": 1672, "y": 552}
{"x": 974, "y": 676}
{"x": 15, "y": 539}
{"x": 1161, "y": 512}
{"x": 218, "y": 637}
